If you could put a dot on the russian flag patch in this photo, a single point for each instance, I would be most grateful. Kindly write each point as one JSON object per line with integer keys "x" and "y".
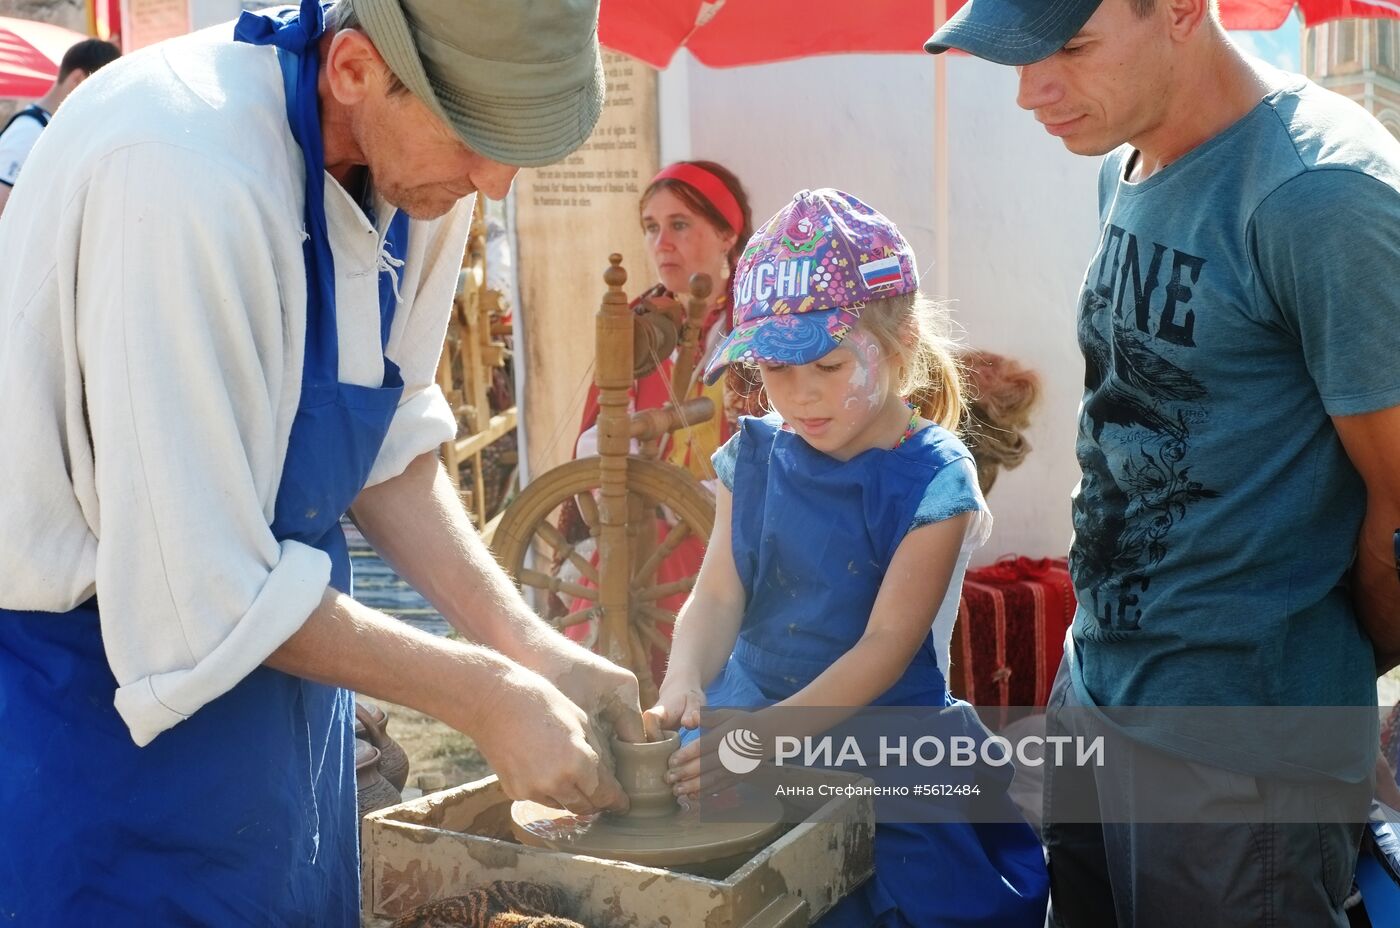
{"x": 882, "y": 273}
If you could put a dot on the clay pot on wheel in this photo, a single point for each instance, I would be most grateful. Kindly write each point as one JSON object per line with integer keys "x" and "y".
{"x": 654, "y": 832}
{"x": 372, "y": 791}
{"x": 641, "y": 771}
{"x": 393, "y": 761}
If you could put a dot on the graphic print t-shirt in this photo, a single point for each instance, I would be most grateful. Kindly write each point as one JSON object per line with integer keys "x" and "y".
{"x": 1239, "y": 298}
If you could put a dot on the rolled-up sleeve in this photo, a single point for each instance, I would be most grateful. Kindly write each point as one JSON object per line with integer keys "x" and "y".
{"x": 186, "y": 366}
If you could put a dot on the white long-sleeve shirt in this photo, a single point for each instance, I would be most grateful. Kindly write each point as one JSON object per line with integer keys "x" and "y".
{"x": 152, "y": 321}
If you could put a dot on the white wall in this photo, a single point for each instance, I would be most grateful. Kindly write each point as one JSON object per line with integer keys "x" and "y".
{"x": 1023, "y": 215}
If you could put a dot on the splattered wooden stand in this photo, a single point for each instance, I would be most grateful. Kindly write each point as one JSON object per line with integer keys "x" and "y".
{"x": 446, "y": 843}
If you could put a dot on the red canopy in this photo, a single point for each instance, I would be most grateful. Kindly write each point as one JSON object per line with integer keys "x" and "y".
{"x": 726, "y": 33}
{"x": 29, "y": 56}
{"x": 1270, "y": 14}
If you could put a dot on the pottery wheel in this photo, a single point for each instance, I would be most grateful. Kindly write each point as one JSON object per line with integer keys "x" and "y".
{"x": 659, "y": 841}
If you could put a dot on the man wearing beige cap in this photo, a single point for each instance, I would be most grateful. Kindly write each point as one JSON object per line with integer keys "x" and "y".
{"x": 230, "y": 290}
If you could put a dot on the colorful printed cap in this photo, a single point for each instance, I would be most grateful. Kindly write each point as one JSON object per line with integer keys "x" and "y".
{"x": 801, "y": 283}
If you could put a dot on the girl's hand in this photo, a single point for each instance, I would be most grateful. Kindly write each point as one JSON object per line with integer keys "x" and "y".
{"x": 695, "y": 769}
{"x": 676, "y": 707}
{"x": 683, "y": 770}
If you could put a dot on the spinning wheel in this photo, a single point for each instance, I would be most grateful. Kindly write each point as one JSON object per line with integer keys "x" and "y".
{"x": 474, "y": 375}
{"x": 529, "y": 534}
{"x": 636, "y": 510}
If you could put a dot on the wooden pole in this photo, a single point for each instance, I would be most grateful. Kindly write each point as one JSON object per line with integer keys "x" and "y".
{"x": 614, "y": 376}
{"x": 942, "y": 218}
{"x": 696, "y": 307}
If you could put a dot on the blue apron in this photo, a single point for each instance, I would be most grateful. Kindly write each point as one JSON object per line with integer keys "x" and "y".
{"x": 243, "y": 814}
{"x": 812, "y": 537}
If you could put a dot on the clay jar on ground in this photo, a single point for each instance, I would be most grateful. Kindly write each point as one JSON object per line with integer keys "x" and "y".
{"x": 641, "y": 769}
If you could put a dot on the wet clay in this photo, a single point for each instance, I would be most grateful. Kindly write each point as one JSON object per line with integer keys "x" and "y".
{"x": 655, "y": 831}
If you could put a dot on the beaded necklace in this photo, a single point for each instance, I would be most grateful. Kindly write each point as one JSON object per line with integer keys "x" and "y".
{"x": 911, "y": 428}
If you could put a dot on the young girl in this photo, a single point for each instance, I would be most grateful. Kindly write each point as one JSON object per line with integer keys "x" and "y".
{"x": 842, "y": 532}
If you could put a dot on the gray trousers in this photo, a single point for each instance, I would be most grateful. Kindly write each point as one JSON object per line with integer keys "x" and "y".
{"x": 1108, "y": 869}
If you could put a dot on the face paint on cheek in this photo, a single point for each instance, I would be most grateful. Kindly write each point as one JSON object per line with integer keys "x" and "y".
{"x": 864, "y": 386}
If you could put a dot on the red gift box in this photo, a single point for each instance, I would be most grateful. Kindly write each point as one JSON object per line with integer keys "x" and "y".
{"x": 1010, "y": 632}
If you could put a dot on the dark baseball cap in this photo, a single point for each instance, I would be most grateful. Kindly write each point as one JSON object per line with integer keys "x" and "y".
{"x": 1012, "y": 32}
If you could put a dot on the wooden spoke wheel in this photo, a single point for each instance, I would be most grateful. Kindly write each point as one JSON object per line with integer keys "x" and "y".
{"x": 551, "y": 550}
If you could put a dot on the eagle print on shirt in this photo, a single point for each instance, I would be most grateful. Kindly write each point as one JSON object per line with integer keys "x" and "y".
{"x": 1134, "y": 445}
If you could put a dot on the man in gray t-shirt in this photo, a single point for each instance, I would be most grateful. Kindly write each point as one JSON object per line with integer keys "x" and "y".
{"x": 1239, "y": 438}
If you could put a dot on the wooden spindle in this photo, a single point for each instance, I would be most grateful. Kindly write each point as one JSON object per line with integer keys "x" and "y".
{"x": 614, "y": 377}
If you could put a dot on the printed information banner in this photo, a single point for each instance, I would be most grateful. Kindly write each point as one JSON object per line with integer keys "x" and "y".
{"x": 569, "y": 218}
{"x": 145, "y": 22}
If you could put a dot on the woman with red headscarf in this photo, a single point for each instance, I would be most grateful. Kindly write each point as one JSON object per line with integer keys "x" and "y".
{"x": 695, "y": 217}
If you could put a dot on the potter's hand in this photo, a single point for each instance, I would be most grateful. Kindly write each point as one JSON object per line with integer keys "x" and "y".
{"x": 607, "y": 692}
{"x": 543, "y": 747}
{"x": 678, "y": 705}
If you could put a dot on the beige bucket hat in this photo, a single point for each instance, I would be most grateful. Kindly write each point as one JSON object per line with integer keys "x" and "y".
{"x": 520, "y": 80}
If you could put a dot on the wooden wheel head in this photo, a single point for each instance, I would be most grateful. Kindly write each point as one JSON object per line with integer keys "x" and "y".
{"x": 615, "y": 276}
{"x": 655, "y": 334}
{"x": 701, "y": 286}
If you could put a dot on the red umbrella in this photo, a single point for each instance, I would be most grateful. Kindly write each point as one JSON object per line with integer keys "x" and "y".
{"x": 29, "y": 56}
{"x": 727, "y": 33}
{"x": 1270, "y": 14}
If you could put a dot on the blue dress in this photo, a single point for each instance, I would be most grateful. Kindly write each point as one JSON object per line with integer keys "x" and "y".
{"x": 812, "y": 538}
